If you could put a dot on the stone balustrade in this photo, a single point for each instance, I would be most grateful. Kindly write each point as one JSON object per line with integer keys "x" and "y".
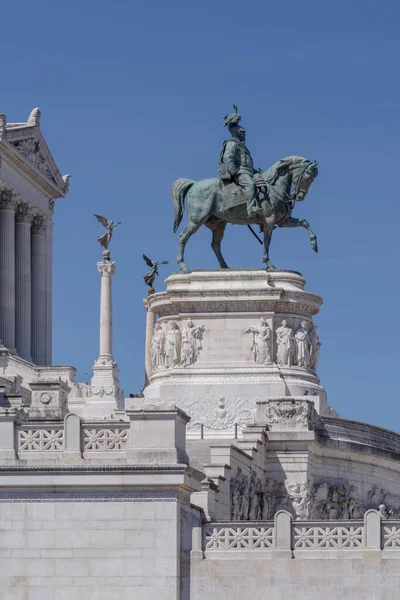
{"x": 85, "y": 439}
{"x": 284, "y": 537}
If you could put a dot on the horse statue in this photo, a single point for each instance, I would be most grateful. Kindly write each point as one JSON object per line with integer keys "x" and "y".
{"x": 213, "y": 203}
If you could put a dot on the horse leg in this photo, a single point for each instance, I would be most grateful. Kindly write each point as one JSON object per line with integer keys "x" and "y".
{"x": 267, "y": 230}
{"x": 292, "y": 222}
{"x": 186, "y": 234}
{"x": 218, "y": 230}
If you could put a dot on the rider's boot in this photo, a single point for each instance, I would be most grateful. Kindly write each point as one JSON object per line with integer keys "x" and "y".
{"x": 254, "y": 210}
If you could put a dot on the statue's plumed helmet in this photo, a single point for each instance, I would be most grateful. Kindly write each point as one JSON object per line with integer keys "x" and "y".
{"x": 232, "y": 119}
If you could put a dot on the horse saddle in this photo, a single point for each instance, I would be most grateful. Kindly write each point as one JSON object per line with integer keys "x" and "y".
{"x": 232, "y": 193}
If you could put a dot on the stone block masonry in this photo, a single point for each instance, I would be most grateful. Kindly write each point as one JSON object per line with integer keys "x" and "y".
{"x": 94, "y": 550}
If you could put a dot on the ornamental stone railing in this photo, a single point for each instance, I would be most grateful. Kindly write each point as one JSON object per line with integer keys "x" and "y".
{"x": 286, "y": 538}
{"x": 70, "y": 436}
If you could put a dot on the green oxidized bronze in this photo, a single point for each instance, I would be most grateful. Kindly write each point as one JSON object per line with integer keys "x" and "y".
{"x": 150, "y": 276}
{"x": 243, "y": 196}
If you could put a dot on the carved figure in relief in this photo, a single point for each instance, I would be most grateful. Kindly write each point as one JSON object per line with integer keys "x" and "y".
{"x": 221, "y": 416}
{"x": 158, "y": 347}
{"x": 285, "y": 343}
{"x": 302, "y": 345}
{"x": 191, "y": 343}
{"x": 315, "y": 346}
{"x": 261, "y": 343}
{"x": 173, "y": 345}
{"x": 299, "y": 494}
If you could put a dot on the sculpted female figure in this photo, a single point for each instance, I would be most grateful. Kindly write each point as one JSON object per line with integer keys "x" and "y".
{"x": 303, "y": 345}
{"x": 157, "y": 347}
{"x": 173, "y": 345}
{"x": 315, "y": 346}
{"x": 261, "y": 343}
{"x": 191, "y": 343}
{"x": 284, "y": 339}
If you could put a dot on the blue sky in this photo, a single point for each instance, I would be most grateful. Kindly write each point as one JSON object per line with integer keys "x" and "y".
{"x": 132, "y": 95}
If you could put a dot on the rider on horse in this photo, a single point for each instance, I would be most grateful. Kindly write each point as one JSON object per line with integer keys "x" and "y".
{"x": 236, "y": 163}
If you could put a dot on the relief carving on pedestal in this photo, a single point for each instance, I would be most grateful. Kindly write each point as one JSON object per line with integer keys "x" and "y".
{"x": 173, "y": 345}
{"x": 261, "y": 346}
{"x": 158, "y": 348}
{"x": 285, "y": 343}
{"x": 291, "y": 414}
{"x": 171, "y": 348}
{"x": 192, "y": 337}
{"x": 300, "y": 347}
{"x": 228, "y": 412}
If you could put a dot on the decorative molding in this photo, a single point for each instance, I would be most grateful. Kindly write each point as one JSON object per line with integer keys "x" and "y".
{"x": 92, "y": 496}
{"x": 172, "y": 307}
{"x": 178, "y": 467}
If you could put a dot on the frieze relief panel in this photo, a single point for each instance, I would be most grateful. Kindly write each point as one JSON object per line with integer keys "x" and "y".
{"x": 254, "y": 499}
{"x": 291, "y": 414}
{"x": 171, "y": 347}
{"x": 292, "y": 343}
{"x": 216, "y": 416}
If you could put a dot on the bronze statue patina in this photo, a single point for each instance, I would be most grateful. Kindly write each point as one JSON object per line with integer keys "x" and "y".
{"x": 105, "y": 239}
{"x": 236, "y": 164}
{"x": 242, "y": 196}
{"x": 151, "y": 275}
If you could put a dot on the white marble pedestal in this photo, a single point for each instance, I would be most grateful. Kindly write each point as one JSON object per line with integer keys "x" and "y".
{"x": 207, "y": 354}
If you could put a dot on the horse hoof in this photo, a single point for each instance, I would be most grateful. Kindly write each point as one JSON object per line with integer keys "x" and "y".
{"x": 184, "y": 269}
{"x": 269, "y": 266}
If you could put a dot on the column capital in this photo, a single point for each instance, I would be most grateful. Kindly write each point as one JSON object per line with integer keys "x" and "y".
{"x": 106, "y": 266}
{"x": 8, "y": 200}
{"x": 25, "y": 213}
{"x": 39, "y": 224}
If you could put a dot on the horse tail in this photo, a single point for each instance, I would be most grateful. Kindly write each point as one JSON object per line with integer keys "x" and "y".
{"x": 180, "y": 188}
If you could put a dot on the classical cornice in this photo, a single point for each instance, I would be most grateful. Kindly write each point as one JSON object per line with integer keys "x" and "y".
{"x": 24, "y": 145}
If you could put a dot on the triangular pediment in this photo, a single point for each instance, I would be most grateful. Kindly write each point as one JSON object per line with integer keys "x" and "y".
{"x": 27, "y": 140}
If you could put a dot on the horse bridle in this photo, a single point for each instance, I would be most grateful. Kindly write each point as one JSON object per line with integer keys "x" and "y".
{"x": 297, "y": 187}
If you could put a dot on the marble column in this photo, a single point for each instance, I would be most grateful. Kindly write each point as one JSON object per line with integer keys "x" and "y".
{"x": 107, "y": 269}
{"x": 105, "y": 393}
{"x": 150, "y": 322}
{"x": 23, "y": 291}
{"x": 39, "y": 290}
{"x": 8, "y": 205}
{"x": 49, "y": 238}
